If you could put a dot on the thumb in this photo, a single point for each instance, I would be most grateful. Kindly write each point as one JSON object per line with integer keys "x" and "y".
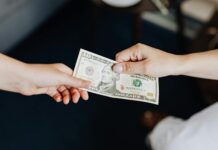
{"x": 75, "y": 82}
{"x": 130, "y": 67}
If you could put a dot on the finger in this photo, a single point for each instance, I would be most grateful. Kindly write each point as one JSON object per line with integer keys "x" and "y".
{"x": 68, "y": 87}
{"x": 60, "y": 78}
{"x": 75, "y": 82}
{"x": 130, "y": 54}
{"x": 52, "y": 92}
{"x": 57, "y": 97}
{"x": 75, "y": 95}
{"x": 84, "y": 95}
{"x": 130, "y": 67}
{"x": 66, "y": 96}
{"x": 62, "y": 88}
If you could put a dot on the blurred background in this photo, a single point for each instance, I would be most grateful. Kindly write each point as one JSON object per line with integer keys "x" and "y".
{"x": 50, "y": 31}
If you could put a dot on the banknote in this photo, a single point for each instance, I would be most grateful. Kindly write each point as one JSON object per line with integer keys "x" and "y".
{"x": 106, "y": 82}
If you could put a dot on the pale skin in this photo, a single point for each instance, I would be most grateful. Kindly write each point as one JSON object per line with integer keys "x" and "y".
{"x": 55, "y": 80}
{"x": 143, "y": 59}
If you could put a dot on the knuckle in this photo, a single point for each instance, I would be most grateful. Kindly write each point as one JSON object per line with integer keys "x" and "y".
{"x": 138, "y": 46}
{"x": 135, "y": 54}
{"x": 128, "y": 67}
{"x": 26, "y": 92}
{"x": 60, "y": 65}
{"x": 138, "y": 50}
{"x": 64, "y": 68}
{"x": 145, "y": 67}
{"x": 117, "y": 56}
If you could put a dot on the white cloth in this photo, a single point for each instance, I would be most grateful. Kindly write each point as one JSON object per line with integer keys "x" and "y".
{"x": 200, "y": 132}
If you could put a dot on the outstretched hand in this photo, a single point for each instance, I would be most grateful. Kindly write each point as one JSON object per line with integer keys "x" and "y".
{"x": 55, "y": 80}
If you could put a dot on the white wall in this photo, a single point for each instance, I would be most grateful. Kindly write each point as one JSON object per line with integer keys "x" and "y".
{"x": 19, "y": 17}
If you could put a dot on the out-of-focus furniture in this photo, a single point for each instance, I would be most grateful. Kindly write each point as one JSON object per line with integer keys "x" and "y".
{"x": 135, "y": 10}
{"x": 18, "y": 18}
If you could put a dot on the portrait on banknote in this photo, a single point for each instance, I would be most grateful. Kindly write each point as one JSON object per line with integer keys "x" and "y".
{"x": 108, "y": 80}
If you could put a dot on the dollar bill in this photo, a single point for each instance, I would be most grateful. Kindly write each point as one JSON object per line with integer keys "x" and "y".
{"x": 106, "y": 82}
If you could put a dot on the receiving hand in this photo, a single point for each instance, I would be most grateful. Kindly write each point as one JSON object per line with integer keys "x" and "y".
{"x": 55, "y": 80}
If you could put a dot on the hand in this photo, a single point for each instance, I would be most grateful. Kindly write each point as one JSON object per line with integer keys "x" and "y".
{"x": 142, "y": 59}
{"x": 55, "y": 80}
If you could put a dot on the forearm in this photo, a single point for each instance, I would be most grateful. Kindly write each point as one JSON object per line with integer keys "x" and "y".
{"x": 9, "y": 70}
{"x": 202, "y": 65}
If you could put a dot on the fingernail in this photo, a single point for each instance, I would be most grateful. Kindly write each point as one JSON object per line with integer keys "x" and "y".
{"x": 66, "y": 101}
{"x": 86, "y": 98}
{"x": 118, "y": 68}
{"x": 58, "y": 99}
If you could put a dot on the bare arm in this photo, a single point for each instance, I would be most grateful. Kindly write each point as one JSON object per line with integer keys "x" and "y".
{"x": 202, "y": 65}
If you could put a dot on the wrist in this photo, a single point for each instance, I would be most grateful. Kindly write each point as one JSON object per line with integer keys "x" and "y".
{"x": 181, "y": 65}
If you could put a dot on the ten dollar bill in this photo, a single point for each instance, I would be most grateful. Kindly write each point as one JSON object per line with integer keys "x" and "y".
{"x": 106, "y": 82}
